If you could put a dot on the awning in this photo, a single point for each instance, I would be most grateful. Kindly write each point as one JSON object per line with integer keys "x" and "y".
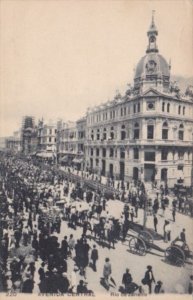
{"x": 45, "y": 154}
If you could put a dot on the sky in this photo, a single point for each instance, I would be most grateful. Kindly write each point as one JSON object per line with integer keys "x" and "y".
{"x": 59, "y": 57}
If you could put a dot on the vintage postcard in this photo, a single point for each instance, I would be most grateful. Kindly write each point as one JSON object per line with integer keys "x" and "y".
{"x": 96, "y": 149}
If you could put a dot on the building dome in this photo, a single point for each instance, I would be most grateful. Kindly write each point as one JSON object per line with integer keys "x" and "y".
{"x": 152, "y": 64}
{"x": 152, "y": 70}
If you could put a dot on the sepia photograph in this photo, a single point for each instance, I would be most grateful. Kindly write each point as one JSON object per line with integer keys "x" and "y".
{"x": 96, "y": 148}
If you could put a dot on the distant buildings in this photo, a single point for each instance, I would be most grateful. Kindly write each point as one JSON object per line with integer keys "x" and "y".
{"x": 70, "y": 142}
{"x": 46, "y": 145}
{"x": 28, "y": 135}
{"x": 2, "y": 143}
{"x": 14, "y": 143}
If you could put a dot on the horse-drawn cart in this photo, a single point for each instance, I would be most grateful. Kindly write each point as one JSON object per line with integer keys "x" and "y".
{"x": 141, "y": 243}
{"x": 178, "y": 253}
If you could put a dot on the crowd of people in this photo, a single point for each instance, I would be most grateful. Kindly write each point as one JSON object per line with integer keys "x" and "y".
{"x": 31, "y": 222}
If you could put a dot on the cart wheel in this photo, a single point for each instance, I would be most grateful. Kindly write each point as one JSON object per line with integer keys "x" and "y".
{"x": 179, "y": 262}
{"x": 137, "y": 246}
{"x": 175, "y": 256}
{"x": 147, "y": 237}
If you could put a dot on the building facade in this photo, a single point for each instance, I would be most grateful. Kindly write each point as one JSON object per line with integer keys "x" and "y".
{"x": 70, "y": 142}
{"x": 46, "y": 133}
{"x": 2, "y": 143}
{"x": 147, "y": 133}
{"x": 29, "y": 136}
{"x": 14, "y": 143}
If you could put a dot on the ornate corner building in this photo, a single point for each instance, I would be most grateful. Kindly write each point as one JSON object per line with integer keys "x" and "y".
{"x": 146, "y": 134}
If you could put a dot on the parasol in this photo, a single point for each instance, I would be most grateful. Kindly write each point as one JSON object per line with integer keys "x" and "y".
{"x": 115, "y": 208}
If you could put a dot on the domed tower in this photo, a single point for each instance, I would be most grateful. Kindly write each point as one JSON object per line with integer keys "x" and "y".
{"x": 152, "y": 70}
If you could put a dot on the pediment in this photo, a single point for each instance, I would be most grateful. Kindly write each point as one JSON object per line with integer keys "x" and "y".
{"x": 151, "y": 93}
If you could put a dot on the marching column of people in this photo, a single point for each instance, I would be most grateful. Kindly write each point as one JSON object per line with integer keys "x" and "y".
{"x": 28, "y": 237}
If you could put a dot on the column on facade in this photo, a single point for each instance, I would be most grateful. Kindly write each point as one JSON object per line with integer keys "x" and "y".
{"x": 158, "y": 129}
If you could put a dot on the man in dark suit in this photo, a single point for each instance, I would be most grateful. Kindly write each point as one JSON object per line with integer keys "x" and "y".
{"x": 183, "y": 235}
{"x": 155, "y": 222}
{"x": 63, "y": 283}
{"x": 149, "y": 278}
{"x": 94, "y": 257}
{"x": 64, "y": 247}
{"x": 126, "y": 280}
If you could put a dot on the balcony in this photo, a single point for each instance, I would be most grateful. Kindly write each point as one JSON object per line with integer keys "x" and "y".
{"x": 160, "y": 142}
{"x": 106, "y": 142}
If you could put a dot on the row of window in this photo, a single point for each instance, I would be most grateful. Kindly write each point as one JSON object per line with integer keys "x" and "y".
{"x": 181, "y": 110}
{"x": 49, "y": 131}
{"x": 148, "y": 155}
{"x": 136, "y": 132}
{"x": 50, "y": 139}
{"x": 123, "y": 112}
{"x": 166, "y": 107}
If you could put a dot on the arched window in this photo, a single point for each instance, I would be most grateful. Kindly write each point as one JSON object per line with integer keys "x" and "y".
{"x": 164, "y": 174}
{"x": 163, "y": 106}
{"x": 97, "y": 162}
{"x": 181, "y": 132}
{"x": 150, "y": 130}
{"x": 136, "y": 131}
{"x": 92, "y": 135}
{"x": 111, "y": 154}
{"x": 98, "y": 134}
{"x": 122, "y": 154}
{"x": 179, "y": 109}
{"x": 135, "y": 173}
{"x": 112, "y": 135}
{"x": 104, "y": 152}
{"x": 165, "y": 131}
{"x": 184, "y": 110}
{"x": 104, "y": 134}
{"x": 168, "y": 107}
{"x": 164, "y": 154}
{"x": 135, "y": 153}
{"x": 123, "y": 132}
